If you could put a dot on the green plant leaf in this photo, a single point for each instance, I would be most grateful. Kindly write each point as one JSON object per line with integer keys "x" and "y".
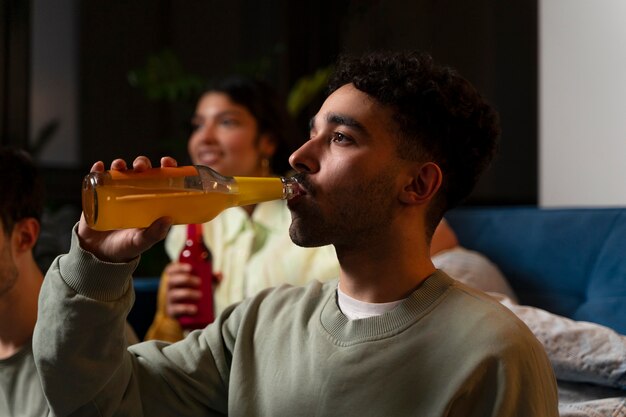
{"x": 306, "y": 89}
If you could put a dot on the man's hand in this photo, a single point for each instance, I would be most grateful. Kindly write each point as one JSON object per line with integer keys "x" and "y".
{"x": 126, "y": 244}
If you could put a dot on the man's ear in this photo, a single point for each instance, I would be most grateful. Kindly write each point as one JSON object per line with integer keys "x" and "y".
{"x": 424, "y": 182}
{"x": 26, "y": 233}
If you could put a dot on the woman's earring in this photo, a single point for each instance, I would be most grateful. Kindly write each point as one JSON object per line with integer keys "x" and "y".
{"x": 265, "y": 165}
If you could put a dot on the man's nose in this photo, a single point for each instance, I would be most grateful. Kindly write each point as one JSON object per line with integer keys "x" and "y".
{"x": 306, "y": 158}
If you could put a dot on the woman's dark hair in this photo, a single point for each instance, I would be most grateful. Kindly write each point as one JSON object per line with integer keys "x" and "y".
{"x": 270, "y": 112}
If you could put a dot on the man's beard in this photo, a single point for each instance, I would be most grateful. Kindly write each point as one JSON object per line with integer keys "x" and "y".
{"x": 358, "y": 212}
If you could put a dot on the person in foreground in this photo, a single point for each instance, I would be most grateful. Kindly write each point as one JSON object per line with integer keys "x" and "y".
{"x": 397, "y": 142}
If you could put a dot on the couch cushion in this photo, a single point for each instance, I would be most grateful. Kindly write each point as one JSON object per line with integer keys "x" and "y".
{"x": 568, "y": 261}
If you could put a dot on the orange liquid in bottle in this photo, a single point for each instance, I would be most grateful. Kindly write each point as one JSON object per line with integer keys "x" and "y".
{"x": 127, "y": 207}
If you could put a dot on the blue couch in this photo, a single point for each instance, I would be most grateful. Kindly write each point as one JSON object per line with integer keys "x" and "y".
{"x": 144, "y": 308}
{"x": 571, "y": 262}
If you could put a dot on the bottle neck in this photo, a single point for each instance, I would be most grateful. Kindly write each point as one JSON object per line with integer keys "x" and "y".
{"x": 194, "y": 232}
{"x": 253, "y": 190}
{"x": 290, "y": 187}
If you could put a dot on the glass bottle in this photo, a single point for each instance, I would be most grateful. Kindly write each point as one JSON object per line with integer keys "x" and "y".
{"x": 196, "y": 254}
{"x": 189, "y": 194}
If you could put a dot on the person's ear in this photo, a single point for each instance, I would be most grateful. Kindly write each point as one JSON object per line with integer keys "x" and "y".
{"x": 423, "y": 184}
{"x": 25, "y": 234}
{"x": 267, "y": 145}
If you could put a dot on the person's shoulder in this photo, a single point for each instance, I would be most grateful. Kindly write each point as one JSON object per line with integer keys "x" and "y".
{"x": 482, "y": 317}
{"x": 480, "y": 303}
{"x": 473, "y": 269}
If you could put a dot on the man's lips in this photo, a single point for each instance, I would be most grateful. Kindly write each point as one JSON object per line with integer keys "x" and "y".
{"x": 300, "y": 184}
{"x": 302, "y": 191}
{"x": 299, "y": 194}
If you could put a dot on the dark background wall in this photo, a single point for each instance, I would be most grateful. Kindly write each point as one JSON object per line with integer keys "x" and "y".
{"x": 492, "y": 42}
{"x": 283, "y": 40}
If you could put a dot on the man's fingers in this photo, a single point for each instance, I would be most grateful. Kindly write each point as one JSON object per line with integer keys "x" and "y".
{"x": 141, "y": 163}
{"x": 97, "y": 167}
{"x": 118, "y": 164}
{"x": 168, "y": 161}
{"x": 158, "y": 230}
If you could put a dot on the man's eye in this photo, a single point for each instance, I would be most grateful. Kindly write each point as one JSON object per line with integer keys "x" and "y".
{"x": 339, "y": 138}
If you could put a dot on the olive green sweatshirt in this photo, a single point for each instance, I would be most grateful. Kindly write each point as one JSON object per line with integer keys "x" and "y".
{"x": 446, "y": 350}
{"x": 20, "y": 390}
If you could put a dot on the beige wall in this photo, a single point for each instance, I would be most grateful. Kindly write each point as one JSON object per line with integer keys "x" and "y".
{"x": 582, "y": 103}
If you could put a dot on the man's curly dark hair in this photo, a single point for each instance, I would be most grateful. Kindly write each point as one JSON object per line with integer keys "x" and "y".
{"x": 440, "y": 117}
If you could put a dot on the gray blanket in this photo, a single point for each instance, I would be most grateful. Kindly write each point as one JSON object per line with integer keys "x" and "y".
{"x": 589, "y": 360}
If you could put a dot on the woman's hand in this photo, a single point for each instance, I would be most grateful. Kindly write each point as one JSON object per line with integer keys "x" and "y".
{"x": 126, "y": 244}
{"x": 183, "y": 290}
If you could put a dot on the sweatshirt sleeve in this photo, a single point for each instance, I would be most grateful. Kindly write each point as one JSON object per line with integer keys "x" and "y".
{"x": 79, "y": 345}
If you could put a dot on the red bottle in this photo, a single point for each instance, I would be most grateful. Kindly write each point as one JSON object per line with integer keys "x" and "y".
{"x": 198, "y": 256}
